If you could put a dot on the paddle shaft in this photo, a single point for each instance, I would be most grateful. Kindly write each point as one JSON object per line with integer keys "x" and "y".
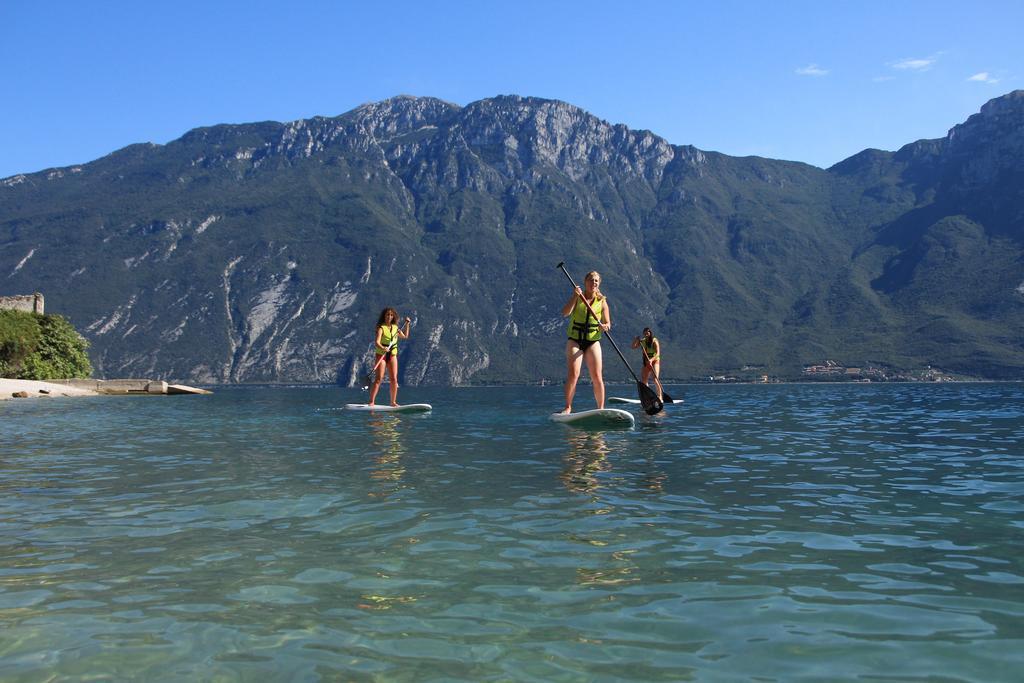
{"x": 609, "y": 334}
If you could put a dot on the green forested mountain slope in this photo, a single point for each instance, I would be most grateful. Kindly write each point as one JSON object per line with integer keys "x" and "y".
{"x": 264, "y": 252}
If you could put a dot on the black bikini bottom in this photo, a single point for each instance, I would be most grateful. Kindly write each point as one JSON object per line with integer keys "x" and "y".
{"x": 583, "y": 343}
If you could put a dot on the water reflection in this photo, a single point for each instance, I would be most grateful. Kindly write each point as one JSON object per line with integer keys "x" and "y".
{"x": 586, "y": 458}
{"x": 591, "y": 456}
{"x": 605, "y": 556}
{"x": 618, "y": 569}
{"x": 653, "y": 478}
{"x": 388, "y": 453}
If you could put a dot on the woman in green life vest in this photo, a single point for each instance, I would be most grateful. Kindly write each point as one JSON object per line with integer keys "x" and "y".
{"x": 584, "y": 343}
{"x": 651, "y": 356}
{"x": 386, "y": 350}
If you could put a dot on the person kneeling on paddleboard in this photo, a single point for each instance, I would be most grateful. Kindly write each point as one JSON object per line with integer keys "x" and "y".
{"x": 651, "y": 351}
{"x": 584, "y": 343}
{"x": 386, "y": 351}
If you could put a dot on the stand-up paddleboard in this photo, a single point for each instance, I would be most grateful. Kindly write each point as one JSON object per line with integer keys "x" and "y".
{"x": 605, "y": 417}
{"x": 407, "y": 408}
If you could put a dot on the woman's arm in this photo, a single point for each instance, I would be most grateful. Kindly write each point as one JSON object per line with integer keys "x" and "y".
{"x": 404, "y": 334}
{"x": 567, "y": 308}
{"x": 607, "y": 315}
{"x": 636, "y": 342}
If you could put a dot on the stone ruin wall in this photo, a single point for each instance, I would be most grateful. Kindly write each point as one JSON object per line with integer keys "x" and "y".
{"x": 30, "y": 303}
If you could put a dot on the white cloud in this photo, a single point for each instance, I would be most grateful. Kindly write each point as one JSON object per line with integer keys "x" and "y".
{"x": 812, "y": 70}
{"x": 984, "y": 77}
{"x": 914, "y": 64}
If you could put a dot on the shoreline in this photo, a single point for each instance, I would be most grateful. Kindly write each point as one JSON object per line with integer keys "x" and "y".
{"x": 60, "y": 389}
{"x": 25, "y": 388}
{"x": 39, "y": 389}
{"x": 583, "y": 382}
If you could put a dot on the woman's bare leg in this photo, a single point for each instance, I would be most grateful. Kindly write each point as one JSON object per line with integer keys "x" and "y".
{"x": 656, "y": 371}
{"x": 574, "y": 363}
{"x": 378, "y": 377}
{"x": 595, "y": 368}
{"x": 392, "y": 364}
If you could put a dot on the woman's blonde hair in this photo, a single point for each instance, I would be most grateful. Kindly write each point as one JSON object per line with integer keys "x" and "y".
{"x": 594, "y": 274}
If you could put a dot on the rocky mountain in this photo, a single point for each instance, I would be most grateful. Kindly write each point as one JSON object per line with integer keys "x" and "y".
{"x": 264, "y": 252}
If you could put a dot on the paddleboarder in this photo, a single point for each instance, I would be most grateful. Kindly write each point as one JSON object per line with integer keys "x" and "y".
{"x": 386, "y": 352}
{"x": 651, "y": 352}
{"x": 584, "y": 342}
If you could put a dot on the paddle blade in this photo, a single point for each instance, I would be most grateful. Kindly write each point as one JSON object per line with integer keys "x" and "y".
{"x": 368, "y": 380}
{"x": 648, "y": 399}
{"x": 665, "y": 398}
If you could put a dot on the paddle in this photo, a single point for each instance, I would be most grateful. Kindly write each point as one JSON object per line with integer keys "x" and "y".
{"x": 648, "y": 399}
{"x": 369, "y": 377}
{"x": 664, "y": 396}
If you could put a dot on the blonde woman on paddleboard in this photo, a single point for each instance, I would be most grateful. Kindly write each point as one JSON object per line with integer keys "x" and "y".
{"x": 386, "y": 352}
{"x": 651, "y": 356}
{"x": 584, "y": 343}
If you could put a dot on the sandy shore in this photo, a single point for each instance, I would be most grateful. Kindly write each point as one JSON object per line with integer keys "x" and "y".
{"x": 36, "y": 389}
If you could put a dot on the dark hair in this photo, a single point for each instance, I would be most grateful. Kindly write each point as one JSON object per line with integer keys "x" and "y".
{"x": 383, "y": 319}
{"x": 648, "y": 333}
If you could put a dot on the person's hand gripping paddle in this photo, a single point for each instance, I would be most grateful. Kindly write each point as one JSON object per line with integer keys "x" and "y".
{"x": 648, "y": 399}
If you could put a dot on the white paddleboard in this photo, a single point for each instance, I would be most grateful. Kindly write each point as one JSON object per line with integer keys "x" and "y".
{"x": 407, "y": 408}
{"x": 606, "y": 417}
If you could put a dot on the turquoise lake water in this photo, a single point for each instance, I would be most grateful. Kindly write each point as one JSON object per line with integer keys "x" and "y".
{"x": 769, "y": 533}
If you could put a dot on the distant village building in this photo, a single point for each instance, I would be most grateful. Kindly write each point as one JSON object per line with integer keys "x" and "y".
{"x": 829, "y": 368}
{"x": 30, "y": 303}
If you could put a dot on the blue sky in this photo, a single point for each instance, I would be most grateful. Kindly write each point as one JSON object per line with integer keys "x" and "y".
{"x": 807, "y": 81}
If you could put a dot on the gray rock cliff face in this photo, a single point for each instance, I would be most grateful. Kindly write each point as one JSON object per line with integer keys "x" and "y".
{"x": 985, "y": 158}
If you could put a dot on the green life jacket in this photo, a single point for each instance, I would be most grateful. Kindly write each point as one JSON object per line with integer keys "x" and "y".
{"x": 649, "y": 348}
{"x": 388, "y": 339}
{"x": 582, "y": 325}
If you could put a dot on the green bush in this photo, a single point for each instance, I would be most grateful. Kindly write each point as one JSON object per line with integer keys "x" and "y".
{"x": 19, "y": 336}
{"x": 41, "y": 347}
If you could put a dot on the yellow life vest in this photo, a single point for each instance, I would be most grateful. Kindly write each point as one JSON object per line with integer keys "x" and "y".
{"x": 582, "y": 325}
{"x": 388, "y": 339}
{"x": 649, "y": 348}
